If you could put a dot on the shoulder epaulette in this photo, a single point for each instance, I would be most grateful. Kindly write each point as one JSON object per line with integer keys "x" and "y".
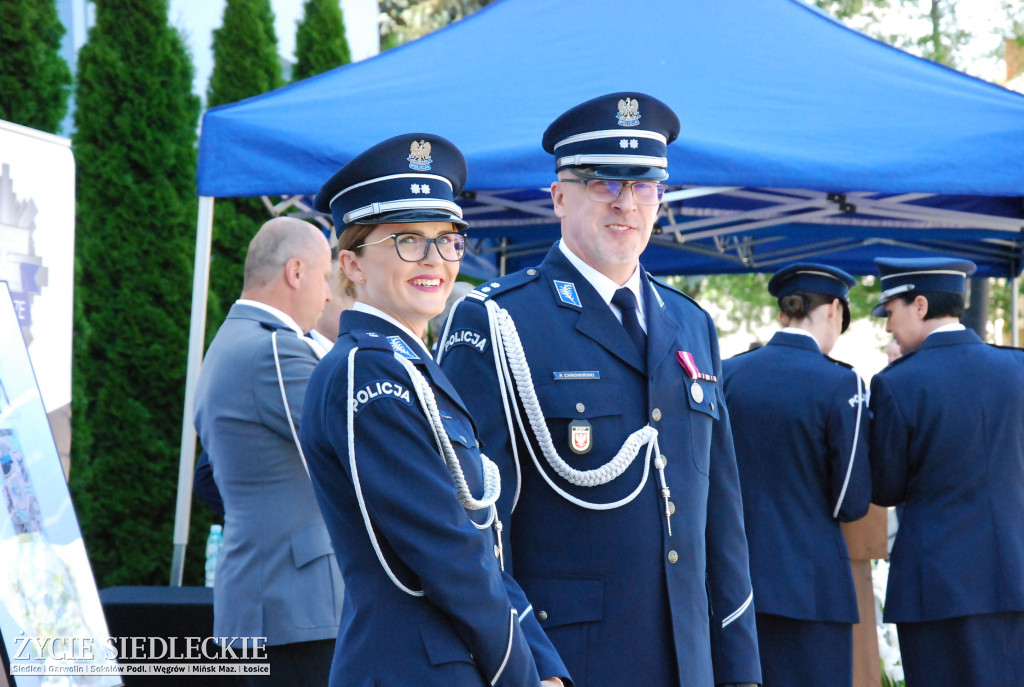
{"x": 504, "y": 284}
{"x": 902, "y": 358}
{"x": 1008, "y": 348}
{"x": 367, "y": 339}
{"x": 848, "y": 366}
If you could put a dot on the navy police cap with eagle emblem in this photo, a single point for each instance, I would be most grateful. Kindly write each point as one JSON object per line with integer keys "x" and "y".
{"x": 813, "y": 277}
{"x": 909, "y": 275}
{"x": 616, "y": 136}
{"x": 408, "y": 178}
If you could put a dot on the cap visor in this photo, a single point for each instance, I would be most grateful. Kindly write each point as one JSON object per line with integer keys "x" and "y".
{"x": 411, "y": 216}
{"x": 620, "y": 172}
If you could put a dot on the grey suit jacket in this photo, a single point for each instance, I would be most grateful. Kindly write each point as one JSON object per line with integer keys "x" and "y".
{"x": 276, "y": 575}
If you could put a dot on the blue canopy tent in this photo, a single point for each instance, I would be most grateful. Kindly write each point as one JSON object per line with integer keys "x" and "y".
{"x": 800, "y": 138}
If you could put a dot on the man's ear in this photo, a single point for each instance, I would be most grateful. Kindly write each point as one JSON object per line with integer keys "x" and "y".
{"x": 293, "y": 272}
{"x": 558, "y": 199}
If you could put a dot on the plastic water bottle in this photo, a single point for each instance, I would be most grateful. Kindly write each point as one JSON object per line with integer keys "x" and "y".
{"x": 213, "y": 543}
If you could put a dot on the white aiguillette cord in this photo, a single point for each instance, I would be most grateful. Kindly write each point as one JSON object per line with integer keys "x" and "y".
{"x": 510, "y": 360}
{"x": 492, "y": 476}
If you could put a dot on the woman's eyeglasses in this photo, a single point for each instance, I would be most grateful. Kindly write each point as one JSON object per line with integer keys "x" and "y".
{"x": 413, "y": 247}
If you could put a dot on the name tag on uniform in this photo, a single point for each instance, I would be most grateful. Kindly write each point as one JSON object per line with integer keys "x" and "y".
{"x": 577, "y": 374}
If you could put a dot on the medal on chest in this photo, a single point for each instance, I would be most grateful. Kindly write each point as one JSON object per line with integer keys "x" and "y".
{"x": 685, "y": 359}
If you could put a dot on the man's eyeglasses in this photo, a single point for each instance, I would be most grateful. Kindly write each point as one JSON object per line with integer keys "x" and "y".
{"x": 413, "y": 247}
{"x": 607, "y": 191}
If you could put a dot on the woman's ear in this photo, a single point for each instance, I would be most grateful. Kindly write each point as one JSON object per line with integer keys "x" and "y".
{"x": 351, "y": 267}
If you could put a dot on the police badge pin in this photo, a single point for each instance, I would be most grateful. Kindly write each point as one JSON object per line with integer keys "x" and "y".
{"x": 580, "y": 436}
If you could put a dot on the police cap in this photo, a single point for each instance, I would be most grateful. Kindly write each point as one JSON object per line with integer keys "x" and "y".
{"x": 408, "y": 178}
{"x": 813, "y": 277}
{"x": 909, "y": 275}
{"x": 615, "y": 136}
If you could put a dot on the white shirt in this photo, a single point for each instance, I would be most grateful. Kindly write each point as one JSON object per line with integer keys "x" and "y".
{"x": 797, "y": 330}
{"x": 954, "y": 327}
{"x": 606, "y": 287}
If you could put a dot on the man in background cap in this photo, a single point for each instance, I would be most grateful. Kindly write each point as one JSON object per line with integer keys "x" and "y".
{"x": 595, "y": 389}
{"x": 948, "y": 443}
{"x": 276, "y": 574}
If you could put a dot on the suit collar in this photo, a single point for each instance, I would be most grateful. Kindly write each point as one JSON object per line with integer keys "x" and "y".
{"x": 802, "y": 341}
{"x": 938, "y": 339}
{"x": 256, "y": 310}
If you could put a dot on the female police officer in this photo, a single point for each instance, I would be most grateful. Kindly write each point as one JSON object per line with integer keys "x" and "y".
{"x": 800, "y": 423}
{"x": 406, "y": 494}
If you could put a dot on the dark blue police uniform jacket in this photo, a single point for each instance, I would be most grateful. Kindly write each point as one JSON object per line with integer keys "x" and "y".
{"x": 948, "y": 442}
{"x": 624, "y": 601}
{"x": 803, "y": 464}
{"x": 426, "y": 602}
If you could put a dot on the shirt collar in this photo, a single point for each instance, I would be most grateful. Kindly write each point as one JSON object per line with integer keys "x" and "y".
{"x": 377, "y": 312}
{"x": 604, "y": 286}
{"x": 285, "y": 319}
{"x": 954, "y": 327}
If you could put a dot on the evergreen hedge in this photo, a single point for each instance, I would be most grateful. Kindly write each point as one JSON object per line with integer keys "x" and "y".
{"x": 320, "y": 43}
{"x": 135, "y": 149}
{"x": 35, "y": 81}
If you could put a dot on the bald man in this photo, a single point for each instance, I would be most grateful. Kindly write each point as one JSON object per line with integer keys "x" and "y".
{"x": 276, "y": 575}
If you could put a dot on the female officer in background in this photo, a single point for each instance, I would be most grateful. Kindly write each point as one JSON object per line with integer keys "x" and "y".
{"x": 800, "y": 423}
{"x": 392, "y": 452}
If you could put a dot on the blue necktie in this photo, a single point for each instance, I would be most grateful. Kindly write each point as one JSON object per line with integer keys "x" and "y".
{"x": 625, "y": 301}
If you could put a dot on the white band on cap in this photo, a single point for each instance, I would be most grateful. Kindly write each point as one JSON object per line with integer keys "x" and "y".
{"x": 894, "y": 291}
{"x": 388, "y": 178}
{"x": 406, "y": 204}
{"x": 910, "y": 274}
{"x": 612, "y": 133}
{"x": 820, "y": 274}
{"x": 639, "y": 160}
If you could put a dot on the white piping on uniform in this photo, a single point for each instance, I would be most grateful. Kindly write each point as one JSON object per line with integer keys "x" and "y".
{"x": 641, "y": 160}
{"x": 355, "y": 476}
{"x": 853, "y": 450}
{"x": 612, "y": 133}
{"x": 389, "y": 177}
{"x": 738, "y": 612}
{"x": 284, "y": 398}
{"x": 508, "y": 649}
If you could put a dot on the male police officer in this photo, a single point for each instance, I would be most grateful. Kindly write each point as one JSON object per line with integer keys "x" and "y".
{"x": 596, "y": 390}
{"x": 277, "y": 576}
{"x": 948, "y": 442}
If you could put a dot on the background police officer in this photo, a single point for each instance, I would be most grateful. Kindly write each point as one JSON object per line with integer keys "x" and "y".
{"x": 948, "y": 443}
{"x": 596, "y": 391}
{"x": 801, "y": 427}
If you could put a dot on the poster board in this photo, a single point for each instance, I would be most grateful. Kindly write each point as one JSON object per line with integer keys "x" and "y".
{"x": 37, "y": 259}
{"x": 51, "y": 618}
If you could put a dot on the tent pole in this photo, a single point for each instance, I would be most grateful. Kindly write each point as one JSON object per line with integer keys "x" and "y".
{"x": 197, "y": 333}
{"x": 1014, "y": 313}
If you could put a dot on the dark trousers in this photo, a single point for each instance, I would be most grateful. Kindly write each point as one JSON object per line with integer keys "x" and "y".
{"x": 804, "y": 652}
{"x": 304, "y": 664}
{"x": 977, "y": 650}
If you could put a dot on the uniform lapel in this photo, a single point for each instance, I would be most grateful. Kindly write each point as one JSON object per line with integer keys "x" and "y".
{"x": 594, "y": 317}
{"x": 662, "y": 331}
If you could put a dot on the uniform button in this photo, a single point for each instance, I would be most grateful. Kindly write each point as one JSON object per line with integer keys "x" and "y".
{"x": 656, "y": 414}
{"x": 531, "y": 272}
{"x": 542, "y": 616}
{"x": 671, "y": 508}
{"x": 673, "y": 556}
{"x": 580, "y": 407}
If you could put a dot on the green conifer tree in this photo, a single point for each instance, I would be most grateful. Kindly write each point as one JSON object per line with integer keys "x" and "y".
{"x": 35, "y": 81}
{"x": 245, "y": 63}
{"x": 320, "y": 43}
{"x": 134, "y": 144}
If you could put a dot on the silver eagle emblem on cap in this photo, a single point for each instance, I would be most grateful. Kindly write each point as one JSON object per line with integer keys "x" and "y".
{"x": 419, "y": 156}
{"x": 629, "y": 112}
